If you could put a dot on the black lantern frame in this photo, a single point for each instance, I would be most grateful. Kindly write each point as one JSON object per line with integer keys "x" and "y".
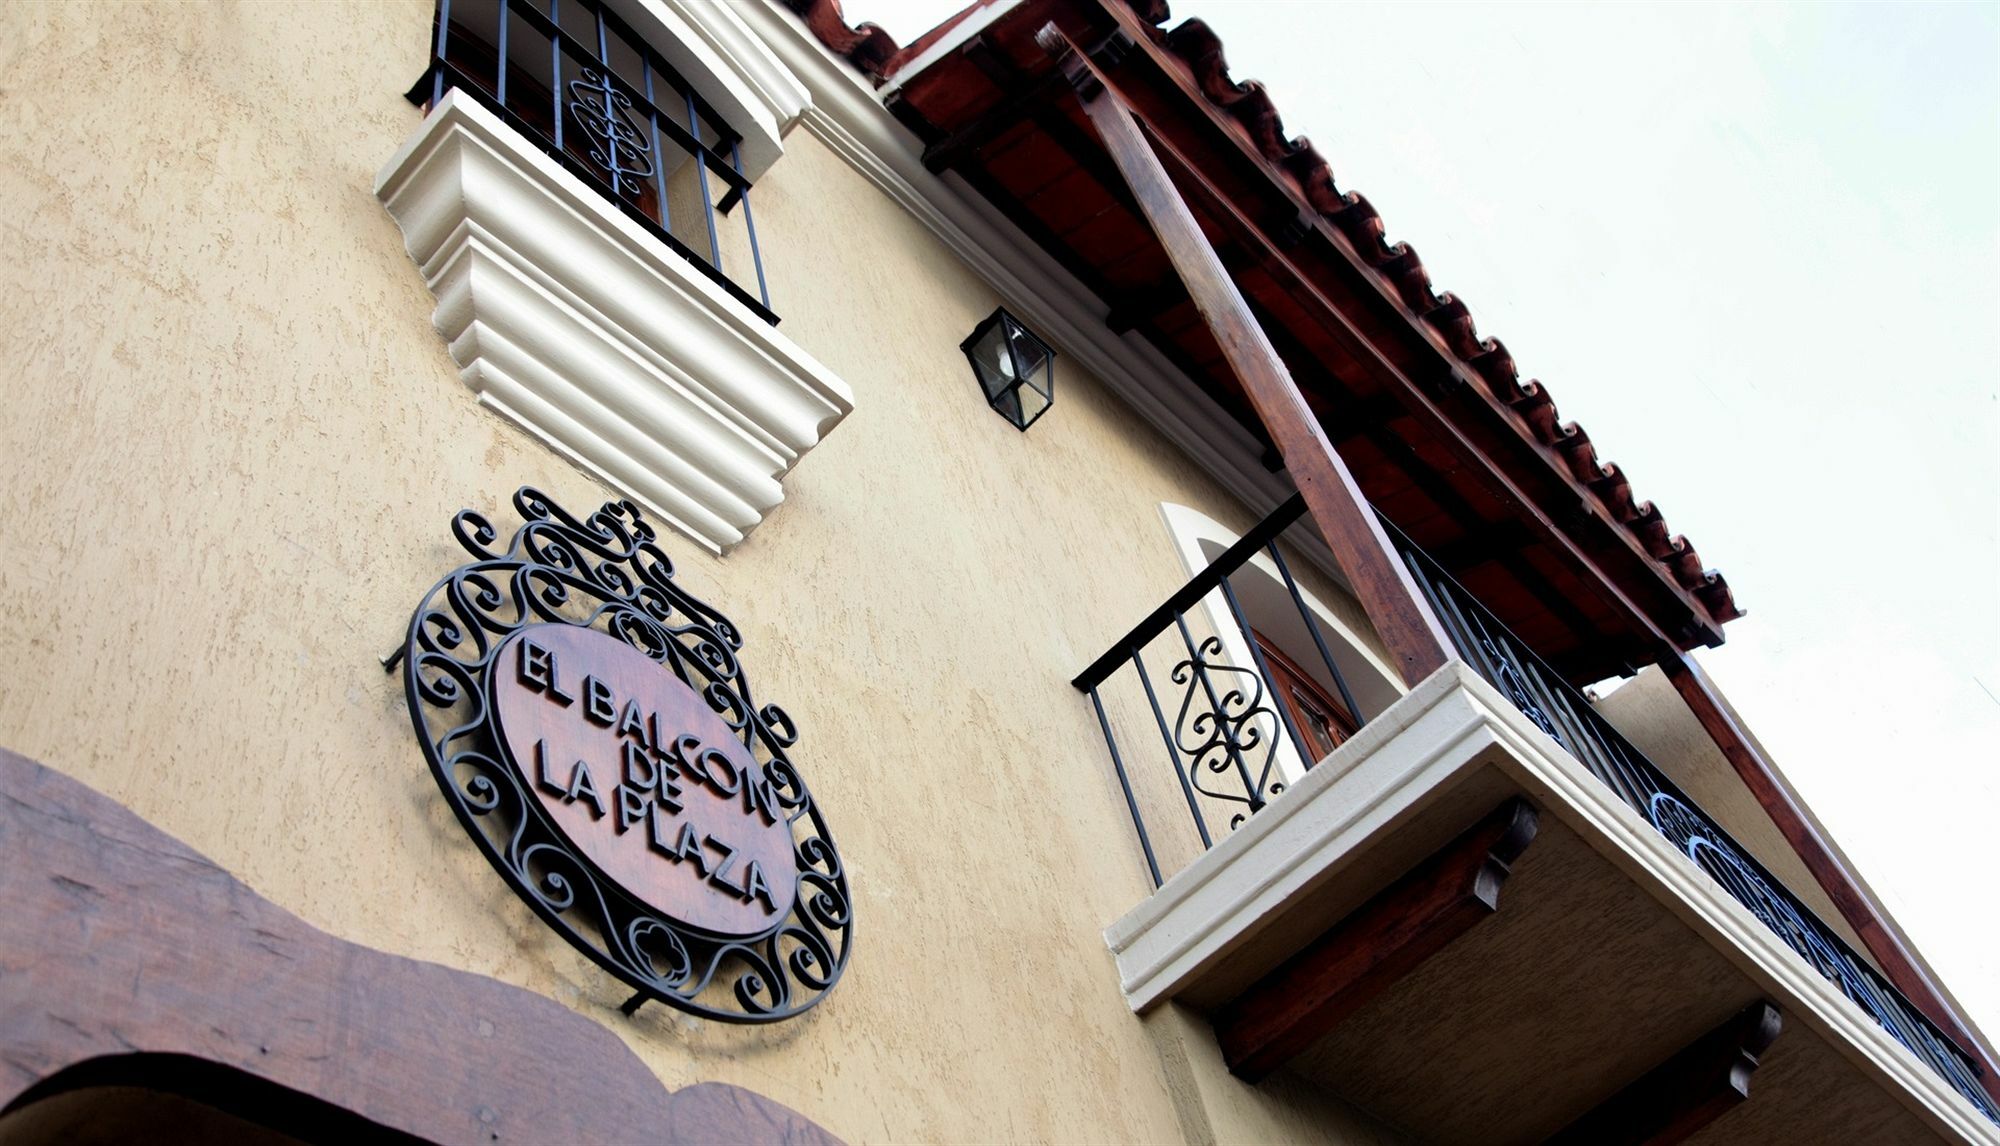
{"x": 1016, "y": 370}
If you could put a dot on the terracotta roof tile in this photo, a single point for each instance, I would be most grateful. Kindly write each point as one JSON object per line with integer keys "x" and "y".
{"x": 866, "y": 46}
{"x": 1198, "y": 48}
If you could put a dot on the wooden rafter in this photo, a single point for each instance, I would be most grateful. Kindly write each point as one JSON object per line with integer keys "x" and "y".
{"x": 1381, "y": 582}
{"x": 1378, "y": 943}
{"x": 1896, "y": 961}
{"x": 1700, "y": 1083}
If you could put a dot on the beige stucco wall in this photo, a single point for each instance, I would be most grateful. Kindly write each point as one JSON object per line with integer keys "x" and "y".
{"x": 1657, "y": 722}
{"x": 232, "y": 445}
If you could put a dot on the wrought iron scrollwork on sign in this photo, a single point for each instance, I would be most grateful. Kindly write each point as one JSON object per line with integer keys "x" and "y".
{"x": 1225, "y": 727}
{"x": 617, "y": 146}
{"x": 591, "y": 725}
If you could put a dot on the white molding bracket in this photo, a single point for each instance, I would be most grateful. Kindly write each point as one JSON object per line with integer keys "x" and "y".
{"x": 567, "y": 317}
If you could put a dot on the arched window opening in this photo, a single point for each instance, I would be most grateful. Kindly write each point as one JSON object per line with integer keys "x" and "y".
{"x": 1295, "y": 639}
{"x": 178, "y": 1100}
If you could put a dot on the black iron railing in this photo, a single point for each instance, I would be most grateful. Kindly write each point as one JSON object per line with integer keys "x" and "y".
{"x": 582, "y": 86}
{"x": 1222, "y": 739}
{"x": 1222, "y": 745}
{"x": 1559, "y": 710}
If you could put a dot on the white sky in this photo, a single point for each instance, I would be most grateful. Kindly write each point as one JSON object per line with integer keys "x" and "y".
{"x": 1755, "y": 250}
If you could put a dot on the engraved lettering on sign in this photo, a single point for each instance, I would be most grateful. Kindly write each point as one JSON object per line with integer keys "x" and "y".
{"x": 649, "y": 784}
{"x": 538, "y": 672}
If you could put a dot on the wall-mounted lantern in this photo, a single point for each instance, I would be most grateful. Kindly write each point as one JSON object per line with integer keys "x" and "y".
{"x": 1016, "y": 369}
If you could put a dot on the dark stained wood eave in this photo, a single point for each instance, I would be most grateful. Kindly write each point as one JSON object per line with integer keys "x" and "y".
{"x": 982, "y": 111}
{"x": 1528, "y": 518}
{"x": 133, "y": 960}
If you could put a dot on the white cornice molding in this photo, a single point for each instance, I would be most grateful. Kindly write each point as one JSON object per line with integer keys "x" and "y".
{"x": 567, "y": 317}
{"x": 709, "y": 45}
{"x": 849, "y": 117}
{"x": 955, "y": 38}
{"x": 1453, "y": 724}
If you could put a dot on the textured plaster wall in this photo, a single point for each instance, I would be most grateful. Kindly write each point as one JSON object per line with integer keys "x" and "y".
{"x": 1657, "y": 721}
{"x": 231, "y": 447}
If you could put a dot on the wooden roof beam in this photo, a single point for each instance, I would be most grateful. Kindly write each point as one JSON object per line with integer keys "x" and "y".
{"x": 1381, "y": 582}
{"x": 1416, "y": 398}
{"x": 1280, "y": 199}
{"x": 1895, "y": 960}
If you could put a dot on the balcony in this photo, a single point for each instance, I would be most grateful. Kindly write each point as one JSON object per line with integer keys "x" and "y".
{"x": 1483, "y": 915}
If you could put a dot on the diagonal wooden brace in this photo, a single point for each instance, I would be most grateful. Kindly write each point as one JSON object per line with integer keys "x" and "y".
{"x": 1399, "y": 613}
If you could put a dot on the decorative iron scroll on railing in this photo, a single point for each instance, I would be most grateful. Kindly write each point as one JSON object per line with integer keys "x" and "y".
{"x": 1222, "y": 723}
{"x": 1562, "y": 712}
{"x": 582, "y": 86}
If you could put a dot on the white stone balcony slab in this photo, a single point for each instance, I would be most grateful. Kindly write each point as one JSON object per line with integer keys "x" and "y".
{"x": 1608, "y": 954}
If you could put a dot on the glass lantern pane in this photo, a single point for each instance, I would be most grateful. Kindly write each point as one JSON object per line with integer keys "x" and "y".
{"x": 1032, "y": 402}
{"x": 1008, "y": 403}
{"x": 1044, "y": 379}
{"x": 992, "y": 362}
{"x": 1030, "y": 355}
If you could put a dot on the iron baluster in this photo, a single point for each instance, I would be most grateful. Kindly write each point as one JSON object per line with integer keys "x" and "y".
{"x": 1226, "y": 732}
{"x": 749, "y": 224}
{"x": 1198, "y": 671}
{"x": 701, "y": 174}
{"x": 1619, "y": 771}
{"x": 1306, "y": 758}
{"x": 443, "y": 33}
{"x": 660, "y": 156}
{"x": 555, "y": 70}
{"x": 1512, "y": 680}
{"x": 610, "y": 137}
{"x": 1319, "y": 640}
{"x": 1173, "y": 753}
{"x": 599, "y": 107}
{"x": 1125, "y": 785}
{"x": 1447, "y": 612}
{"x": 500, "y": 76}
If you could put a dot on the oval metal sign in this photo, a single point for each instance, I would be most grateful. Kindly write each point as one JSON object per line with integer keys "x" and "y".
{"x": 590, "y": 724}
{"x": 643, "y": 778}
